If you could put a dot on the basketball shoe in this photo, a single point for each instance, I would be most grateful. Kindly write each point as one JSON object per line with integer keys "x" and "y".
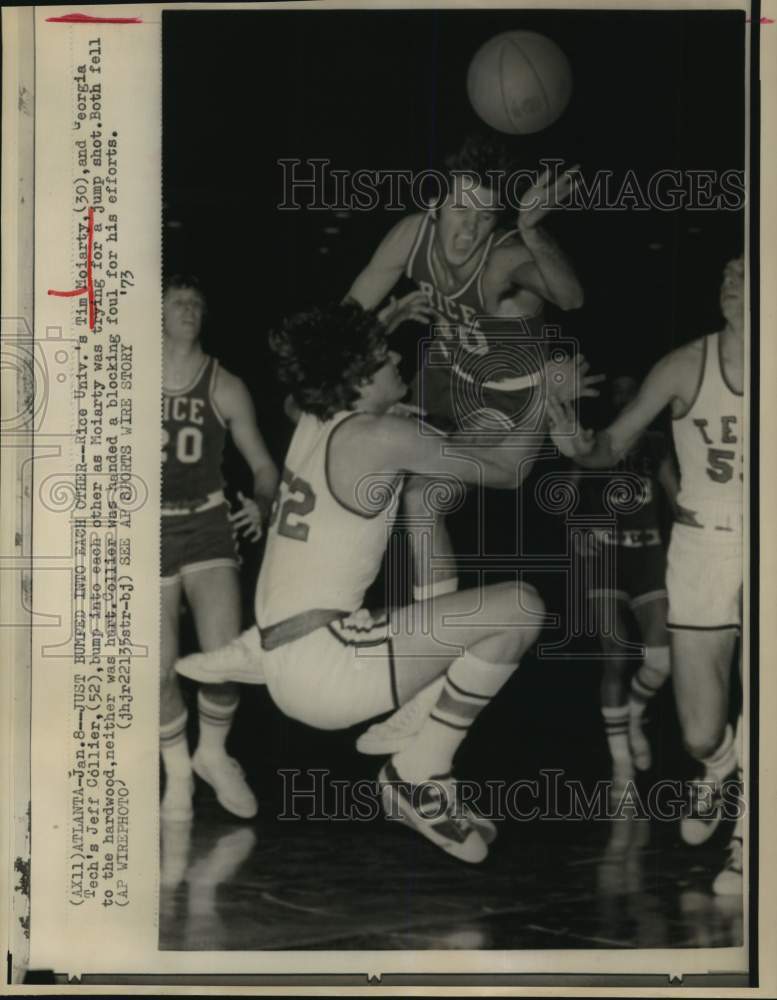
{"x": 226, "y": 778}
{"x": 396, "y": 732}
{"x": 239, "y": 661}
{"x": 433, "y": 810}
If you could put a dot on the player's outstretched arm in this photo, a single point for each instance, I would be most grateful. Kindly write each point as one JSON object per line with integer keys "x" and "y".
{"x": 394, "y": 444}
{"x": 235, "y": 404}
{"x": 550, "y": 273}
{"x": 387, "y": 264}
{"x": 606, "y": 448}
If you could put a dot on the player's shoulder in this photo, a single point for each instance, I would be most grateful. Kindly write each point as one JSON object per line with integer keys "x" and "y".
{"x": 228, "y": 389}
{"x": 227, "y": 380}
{"x": 508, "y": 250}
{"x": 374, "y": 438}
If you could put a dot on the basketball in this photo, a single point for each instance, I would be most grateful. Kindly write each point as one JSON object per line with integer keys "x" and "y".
{"x": 519, "y": 82}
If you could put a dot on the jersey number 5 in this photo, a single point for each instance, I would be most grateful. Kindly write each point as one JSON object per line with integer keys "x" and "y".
{"x": 301, "y": 500}
{"x": 721, "y": 464}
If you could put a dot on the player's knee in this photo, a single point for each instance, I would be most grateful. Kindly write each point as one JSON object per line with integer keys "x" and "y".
{"x": 700, "y": 739}
{"x": 415, "y": 496}
{"x": 527, "y": 609}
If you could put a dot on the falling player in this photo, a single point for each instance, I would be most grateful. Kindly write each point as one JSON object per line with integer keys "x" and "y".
{"x": 326, "y": 663}
{"x": 467, "y": 266}
{"x": 703, "y": 383}
{"x": 625, "y": 569}
{"x": 201, "y": 403}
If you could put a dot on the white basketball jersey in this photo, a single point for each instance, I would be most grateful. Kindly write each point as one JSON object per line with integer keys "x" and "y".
{"x": 709, "y": 441}
{"x": 320, "y": 554}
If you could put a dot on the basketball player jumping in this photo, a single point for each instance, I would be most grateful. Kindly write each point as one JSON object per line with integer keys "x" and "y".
{"x": 633, "y": 553}
{"x": 467, "y": 266}
{"x": 324, "y": 662}
{"x": 201, "y": 402}
{"x": 702, "y": 382}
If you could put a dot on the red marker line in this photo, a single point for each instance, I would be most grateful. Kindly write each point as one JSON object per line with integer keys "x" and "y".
{"x": 762, "y": 20}
{"x": 67, "y": 295}
{"x": 90, "y": 19}
{"x": 88, "y": 290}
{"x": 89, "y": 274}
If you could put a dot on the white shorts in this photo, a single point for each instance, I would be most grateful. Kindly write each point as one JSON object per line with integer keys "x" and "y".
{"x": 704, "y": 580}
{"x": 334, "y": 677}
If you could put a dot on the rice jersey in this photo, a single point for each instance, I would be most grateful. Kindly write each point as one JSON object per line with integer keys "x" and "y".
{"x": 479, "y": 366}
{"x": 709, "y": 441}
{"x": 320, "y": 553}
{"x": 193, "y": 438}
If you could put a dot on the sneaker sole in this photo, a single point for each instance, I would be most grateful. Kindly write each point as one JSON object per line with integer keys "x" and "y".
{"x": 403, "y": 813}
{"x": 383, "y": 746}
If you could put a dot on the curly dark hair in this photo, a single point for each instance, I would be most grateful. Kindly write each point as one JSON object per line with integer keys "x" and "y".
{"x": 324, "y": 353}
{"x": 480, "y": 155}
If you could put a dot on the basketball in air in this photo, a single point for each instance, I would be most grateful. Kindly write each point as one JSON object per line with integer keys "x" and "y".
{"x": 519, "y": 82}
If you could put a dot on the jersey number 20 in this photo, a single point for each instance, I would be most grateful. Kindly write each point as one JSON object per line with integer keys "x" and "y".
{"x": 188, "y": 445}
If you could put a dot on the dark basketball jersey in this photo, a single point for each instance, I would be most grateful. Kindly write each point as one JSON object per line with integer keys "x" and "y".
{"x": 193, "y": 439}
{"x": 482, "y": 371}
{"x": 462, "y": 306}
{"x": 633, "y": 503}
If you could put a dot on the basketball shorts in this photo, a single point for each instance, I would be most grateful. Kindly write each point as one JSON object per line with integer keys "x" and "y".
{"x": 704, "y": 580}
{"x": 196, "y": 541}
{"x": 334, "y": 677}
{"x": 626, "y": 566}
{"x": 452, "y": 400}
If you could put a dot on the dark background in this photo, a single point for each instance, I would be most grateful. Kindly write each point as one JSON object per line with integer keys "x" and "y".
{"x": 386, "y": 90}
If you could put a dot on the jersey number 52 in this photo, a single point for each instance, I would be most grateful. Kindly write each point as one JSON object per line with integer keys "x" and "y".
{"x": 298, "y": 501}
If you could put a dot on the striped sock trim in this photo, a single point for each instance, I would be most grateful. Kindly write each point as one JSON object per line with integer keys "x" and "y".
{"x": 447, "y": 722}
{"x": 215, "y": 713}
{"x": 174, "y": 731}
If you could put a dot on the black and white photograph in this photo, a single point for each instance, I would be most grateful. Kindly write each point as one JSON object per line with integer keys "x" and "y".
{"x": 386, "y": 496}
{"x": 455, "y": 444}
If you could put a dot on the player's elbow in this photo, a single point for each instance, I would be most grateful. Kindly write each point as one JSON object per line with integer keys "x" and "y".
{"x": 572, "y": 299}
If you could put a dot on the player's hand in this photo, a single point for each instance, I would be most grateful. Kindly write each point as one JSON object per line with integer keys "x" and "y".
{"x": 571, "y": 440}
{"x": 568, "y": 379}
{"x": 414, "y": 306}
{"x": 248, "y": 520}
{"x": 363, "y": 620}
{"x": 545, "y": 195}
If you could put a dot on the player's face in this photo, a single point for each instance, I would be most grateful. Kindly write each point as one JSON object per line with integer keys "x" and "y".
{"x": 182, "y": 313}
{"x": 624, "y": 389}
{"x": 465, "y": 221}
{"x": 732, "y": 292}
{"x": 385, "y": 386}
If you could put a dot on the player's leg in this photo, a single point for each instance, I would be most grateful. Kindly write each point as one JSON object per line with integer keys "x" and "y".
{"x": 650, "y": 612}
{"x": 704, "y": 580}
{"x": 728, "y": 882}
{"x": 701, "y": 671}
{"x": 177, "y": 801}
{"x": 475, "y": 639}
{"x": 430, "y": 542}
{"x": 608, "y": 610}
{"x": 214, "y": 597}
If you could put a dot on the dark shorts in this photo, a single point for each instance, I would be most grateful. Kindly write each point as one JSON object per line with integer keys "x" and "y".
{"x": 452, "y": 402}
{"x": 198, "y": 541}
{"x": 633, "y": 572}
